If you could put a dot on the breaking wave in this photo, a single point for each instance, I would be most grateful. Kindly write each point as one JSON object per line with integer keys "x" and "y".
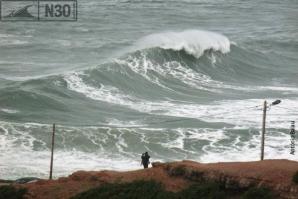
{"x": 193, "y": 42}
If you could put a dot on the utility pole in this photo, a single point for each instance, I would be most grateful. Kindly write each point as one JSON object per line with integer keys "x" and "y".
{"x": 52, "y": 154}
{"x": 263, "y": 130}
{"x": 264, "y": 124}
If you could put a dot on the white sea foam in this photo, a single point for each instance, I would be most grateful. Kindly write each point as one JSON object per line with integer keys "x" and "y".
{"x": 104, "y": 93}
{"x": 277, "y": 146}
{"x": 115, "y": 150}
{"x": 170, "y": 70}
{"x": 5, "y": 35}
{"x": 12, "y": 42}
{"x": 194, "y": 42}
{"x": 65, "y": 163}
{"x": 18, "y": 148}
{"x": 115, "y": 122}
{"x": 9, "y": 110}
{"x": 237, "y": 112}
{"x": 174, "y": 70}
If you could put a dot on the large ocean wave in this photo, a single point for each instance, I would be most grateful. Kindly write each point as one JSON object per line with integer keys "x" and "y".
{"x": 157, "y": 73}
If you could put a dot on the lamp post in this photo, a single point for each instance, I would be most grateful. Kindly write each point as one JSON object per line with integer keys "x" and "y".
{"x": 264, "y": 124}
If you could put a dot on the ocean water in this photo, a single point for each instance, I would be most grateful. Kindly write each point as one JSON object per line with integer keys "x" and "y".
{"x": 180, "y": 79}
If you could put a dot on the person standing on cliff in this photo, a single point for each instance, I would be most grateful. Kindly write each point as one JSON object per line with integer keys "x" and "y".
{"x": 145, "y": 160}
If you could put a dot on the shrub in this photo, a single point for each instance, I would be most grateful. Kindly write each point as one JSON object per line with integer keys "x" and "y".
{"x": 135, "y": 190}
{"x": 6, "y": 181}
{"x": 257, "y": 193}
{"x": 207, "y": 190}
{"x": 11, "y": 192}
{"x": 151, "y": 189}
{"x": 177, "y": 170}
{"x": 295, "y": 177}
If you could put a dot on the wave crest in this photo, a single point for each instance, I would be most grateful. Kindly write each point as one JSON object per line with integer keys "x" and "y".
{"x": 193, "y": 42}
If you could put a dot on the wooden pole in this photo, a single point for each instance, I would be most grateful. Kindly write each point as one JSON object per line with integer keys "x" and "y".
{"x": 263, "y": 130}
{"x": 52, "y": 154}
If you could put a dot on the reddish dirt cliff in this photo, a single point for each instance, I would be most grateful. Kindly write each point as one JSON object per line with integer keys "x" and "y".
{"x": 274, "y": 174}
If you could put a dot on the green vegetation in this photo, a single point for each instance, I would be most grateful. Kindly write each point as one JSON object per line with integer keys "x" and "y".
{"x": 11, "y": 192}
{"x": 6, "y": 181}
{"x": 295, "y": 177}
{"x": 177, "y": 170}
{"x": 152, "y": 190}
{"x": 207, "y": 190}
{"x": 136, "y": 190}
{"x": 257, "y": 193}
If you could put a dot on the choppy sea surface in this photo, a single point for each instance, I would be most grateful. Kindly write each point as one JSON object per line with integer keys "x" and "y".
{"x": 179, "y": 79}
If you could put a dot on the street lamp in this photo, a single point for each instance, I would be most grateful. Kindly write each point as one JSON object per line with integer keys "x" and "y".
{"x": 264, "y": 122}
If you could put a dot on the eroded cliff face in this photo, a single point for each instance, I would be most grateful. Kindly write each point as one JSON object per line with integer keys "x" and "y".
{"x": 273, "y": 174}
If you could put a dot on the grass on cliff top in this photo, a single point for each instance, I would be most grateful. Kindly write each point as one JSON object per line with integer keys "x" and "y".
{"x": 6, "y": 181}
{"x": 295, "y": 177}
{"x": 257, "y": 193}
{"x": 142, "y": 189}
{"x": 152, "y": 190}
{"x": 11, "y": 192}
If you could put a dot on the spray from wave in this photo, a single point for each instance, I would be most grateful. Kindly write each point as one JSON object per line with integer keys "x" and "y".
{"x": 193, "y": 42}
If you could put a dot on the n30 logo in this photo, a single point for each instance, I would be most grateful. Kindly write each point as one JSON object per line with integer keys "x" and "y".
{"x": 38, "y": 10}
{"x": 57, "y": 10}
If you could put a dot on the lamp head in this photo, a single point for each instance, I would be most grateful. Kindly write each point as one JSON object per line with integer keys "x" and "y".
{"x": 276, "y": 102}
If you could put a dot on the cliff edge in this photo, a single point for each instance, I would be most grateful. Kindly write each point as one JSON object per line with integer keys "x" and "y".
{"x": 273, "y": 174}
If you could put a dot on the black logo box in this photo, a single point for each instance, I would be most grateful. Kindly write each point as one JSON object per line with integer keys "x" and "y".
{"x": 38, "y": 10}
